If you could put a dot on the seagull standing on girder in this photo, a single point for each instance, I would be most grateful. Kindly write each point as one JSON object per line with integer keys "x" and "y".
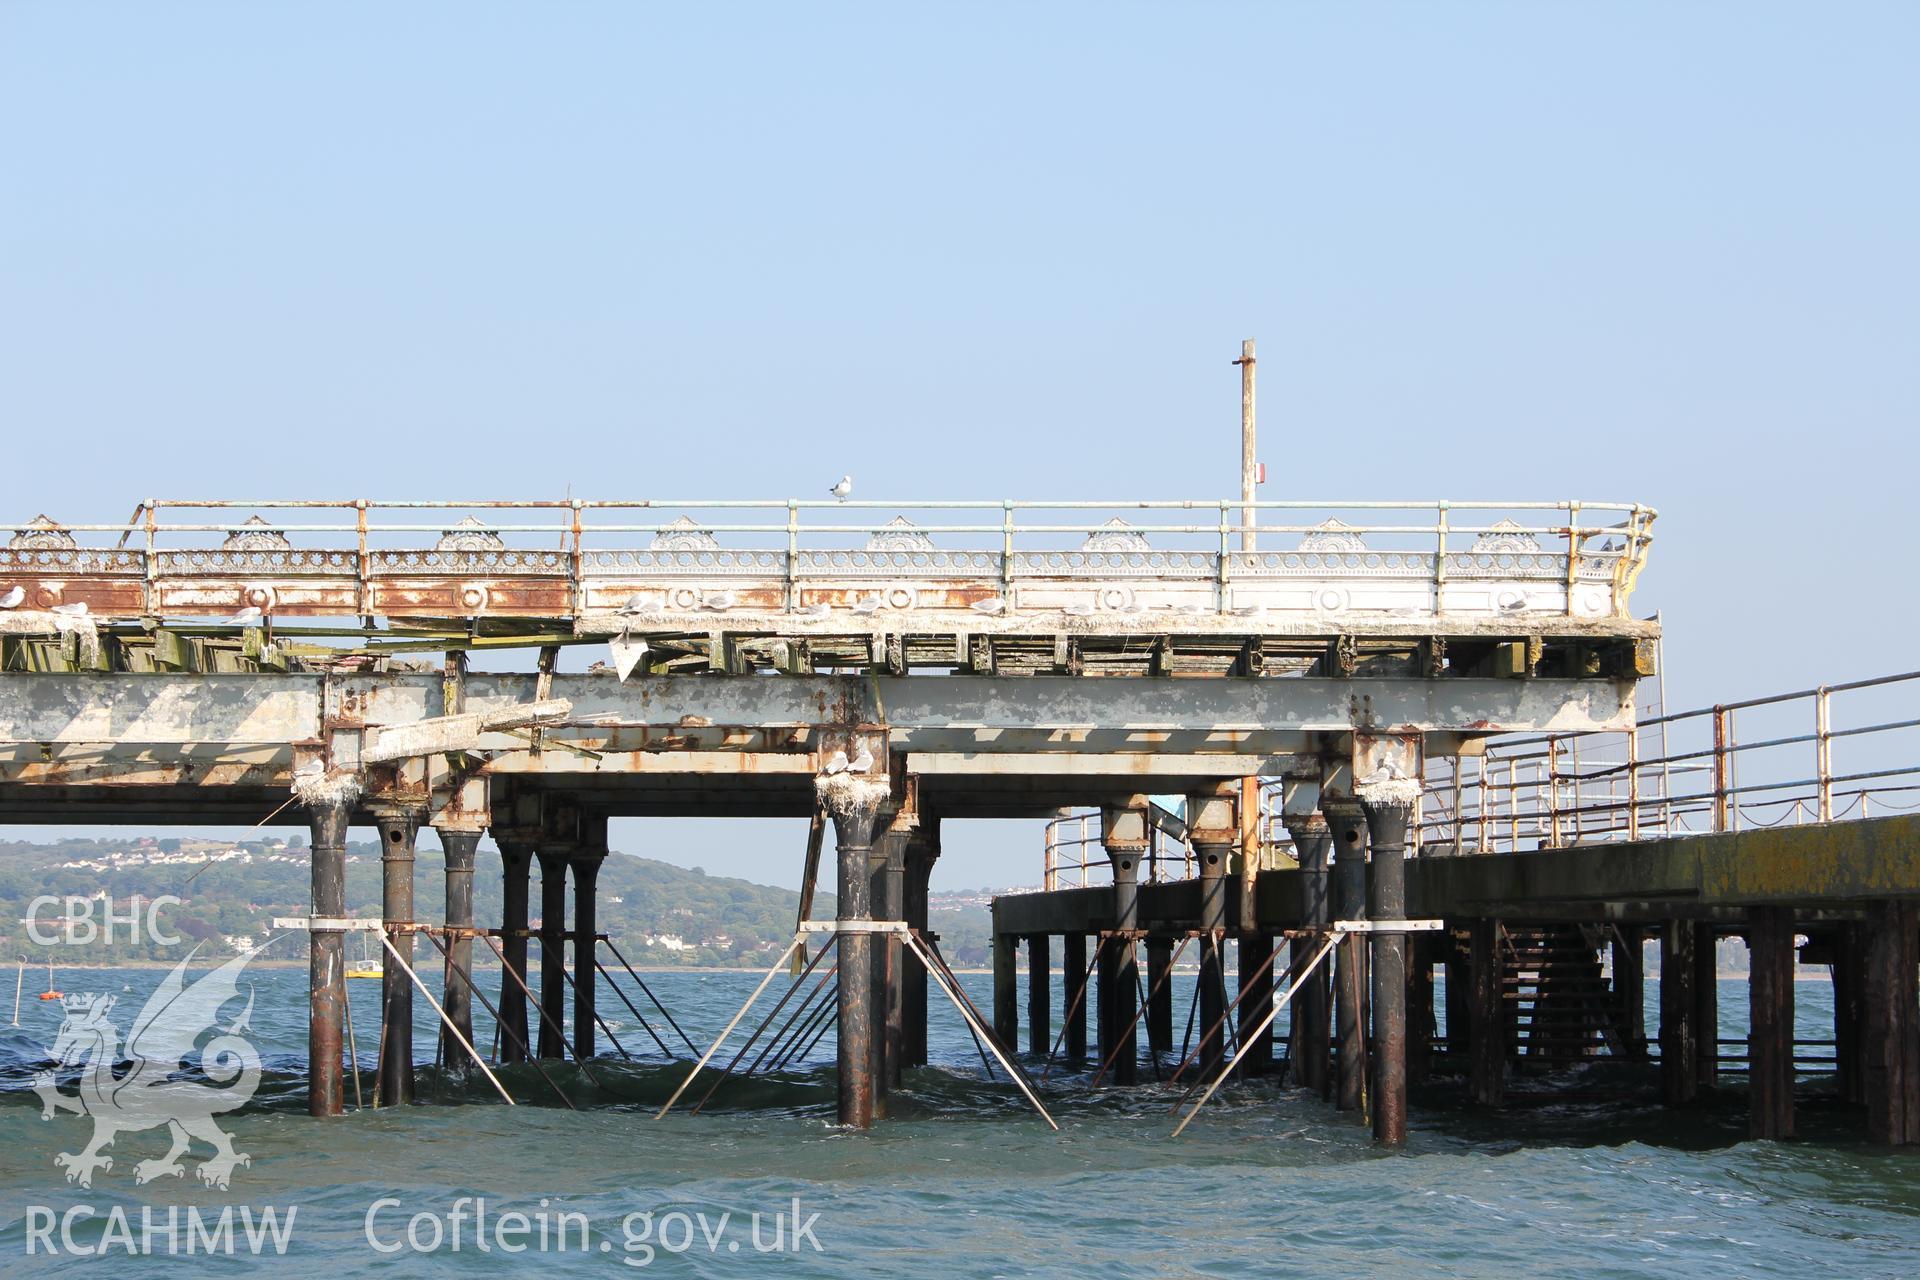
{"x": 843, "y": 489}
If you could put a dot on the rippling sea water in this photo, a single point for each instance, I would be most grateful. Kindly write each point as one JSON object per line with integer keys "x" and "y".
{"x": 1585, "y": 1174}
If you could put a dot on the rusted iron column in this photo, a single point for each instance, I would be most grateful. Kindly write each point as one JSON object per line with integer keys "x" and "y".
{"x": 1160, "y": 995}
{"x": 398, "y": 825}
{"x": 586, "y": 880}
{"x": 1311, "y": 1022}
{"x": 1487, "y": 1068}
{"x": 1073, "y": 965}
{"x": 1124, "y": 836}
{"x": 1770, "y": 1043}
{"x": 456, "y": 997}
{"x": 553, "y": 946}
{"x": 1706, "y": 1004}
{"x": 329, "y": 802}
{"x": 853, "y": 802}
{"x": 1212, "y": 824}
{"x": 1039, "y": 993}
{"x": 1389, "y": 807}
{"x": 1348, "y": 824}
{"x": 1892, "y": 1039}
{"x": 516, "y": 864}
{"x": 1630, "y": 989}
{"x": 923, "y": 849}
{"x": 1679, "y": 1033}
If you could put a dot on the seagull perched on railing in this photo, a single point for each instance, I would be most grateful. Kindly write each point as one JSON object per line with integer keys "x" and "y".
{"x": 12, "y": 599}
{"x": 993, "y": 604}
{"x": 247, "y": 617}
{"x": 843, "y": 489}
{"x": 867, "y": 604}
{"x": 78, "y": 609}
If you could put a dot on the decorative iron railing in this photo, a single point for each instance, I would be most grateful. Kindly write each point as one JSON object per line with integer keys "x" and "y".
{"x": 579, "y": 558}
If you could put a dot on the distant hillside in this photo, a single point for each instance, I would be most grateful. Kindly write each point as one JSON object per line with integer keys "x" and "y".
{"x": 658, "y": 914}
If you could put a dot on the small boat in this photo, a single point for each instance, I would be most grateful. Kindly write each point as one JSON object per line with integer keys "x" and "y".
{"x": 372, "y": 970}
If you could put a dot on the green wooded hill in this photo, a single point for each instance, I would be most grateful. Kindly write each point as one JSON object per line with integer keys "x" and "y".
{"x": 656, "y": 913}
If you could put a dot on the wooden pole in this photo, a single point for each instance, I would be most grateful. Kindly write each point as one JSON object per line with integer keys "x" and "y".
{"x": 1249, "y": 466}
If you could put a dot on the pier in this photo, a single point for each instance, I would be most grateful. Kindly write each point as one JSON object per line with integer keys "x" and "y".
{"x": 1316, "y": 682}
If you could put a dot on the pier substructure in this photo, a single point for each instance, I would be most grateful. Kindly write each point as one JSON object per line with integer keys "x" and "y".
{"x": 457, "y": 993}
{"x": 1770, "y": 1041}
{"x": 1487, "y": 1037}
{"x": 1679, "y": 1031}
{"x": 592, "y": 852}
{"x": 1892, "y": 1023}
{"x": 1039, "y": 994}
{"x": 1630, "y": 990}
{"x": 1213, "y": 825}
{"x": 889, "y": 887}
{"x": 853, "y": 802}
{"x": 553, "y": 855}
{"x": 517, "y": 847}
{"x": 1124, "y": 835}
{"x": 1159, "y": 995}
{"x": 329, "y": 805}
{"x": 923, "y": 850}
{"x": 399, "y": 826}
{"x": 1311, "y": 1025}
{"x": 1389, "y": 806}
{"x": 1348, "y": 824}
{"x": 1073, "y": 968}
{"x": 1706, "y": 1005}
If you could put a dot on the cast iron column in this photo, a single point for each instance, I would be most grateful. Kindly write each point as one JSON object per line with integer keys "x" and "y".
{"x": 1311, "y": 1025}
{"x": 1212, "y": 825}
{"x": 516, "y": 862}
{"x": 853, "y": 802}
{"x": 1123, "y": 833}
{"x": 923, "y": 849}
{"x": 553, "y": 948}
{"x": 398, "y": 828}
{"x": 1073, "y": 966}
{"x": 329, "y": 802}
{"x": 1348, "y": 824}
{"x": 1389, "y": 807}
{"x": 457, "y": 990}
{"x": 586, "y": 939}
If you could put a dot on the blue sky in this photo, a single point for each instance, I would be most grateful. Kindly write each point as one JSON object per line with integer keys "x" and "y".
{"x": 1654, "y": 252}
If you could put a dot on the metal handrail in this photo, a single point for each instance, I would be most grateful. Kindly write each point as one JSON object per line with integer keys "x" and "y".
{"x": 1533, "y": 792}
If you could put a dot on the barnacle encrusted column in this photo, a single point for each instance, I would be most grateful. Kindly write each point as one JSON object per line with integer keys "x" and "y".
{"x": 1388, "y": 798}
{"x": 329, "y": 799}
{"x": 516, "y": 861}
{"x": 922, "y": 851}
{"x": 853, "y": 802}
{"x": 1347, "y": 822}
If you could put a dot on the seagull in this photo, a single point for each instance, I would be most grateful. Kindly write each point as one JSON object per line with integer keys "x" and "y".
{"x": 717, "y": 600}
{"x": 1249, "y": 610}
{"x": 247, "y": 617}
{"x": 12, "y": 599}
{"x": 1078, "y": 611}
{"x": 818, "y": 609}
{"x": 1191, "y": 610}
{"x": 1515, "y": 604}
{"x": 78, "y": 609}
{"x": 634, "y": 604}
{"x": 993, "y": 604}
{"x": 836, "y": 763}
{"x": 862, "y": 763}
{"x": 870, "y": 604}
{"x": 843, "y": 489}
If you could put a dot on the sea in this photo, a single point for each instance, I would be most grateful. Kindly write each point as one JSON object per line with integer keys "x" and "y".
{"x": 1583, "y": 1173}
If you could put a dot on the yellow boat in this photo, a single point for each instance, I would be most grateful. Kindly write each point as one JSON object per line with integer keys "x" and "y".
{"x": 375, "y": 970}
